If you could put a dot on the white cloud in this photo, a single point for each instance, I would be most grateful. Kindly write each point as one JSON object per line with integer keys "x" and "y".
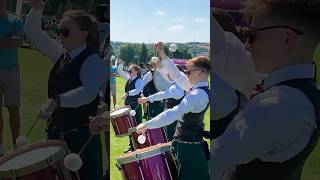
{"x": 200, "y": 19}
{"x": 175, "y": 28}
{"x": 160, "y": 13}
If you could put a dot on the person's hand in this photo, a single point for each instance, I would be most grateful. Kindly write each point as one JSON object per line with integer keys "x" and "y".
{"x": 102, "y": 109}
{"x": 142, "y": 100}
{"x": 47, "y": 109}
{"x": 160, "y": 50}
{"x": 98, "y": 124}
{"x": 36, "y": 4}
{"x": 125, "y": 96}
{"x": 141, "y": 127}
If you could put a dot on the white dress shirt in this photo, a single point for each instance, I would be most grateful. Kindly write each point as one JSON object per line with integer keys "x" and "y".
{"x": 179, "y": 77}
{"x": 231, "y": 61}
{"x": 93, "y": 73}
{"x": 274, "y": 126}
{"x": 138, "y": 85}
{"x": 195, "y": 101}
{"x": 174, "y": 92}
{"x": 225, "y": 99}
{"x": 160, "y": 78}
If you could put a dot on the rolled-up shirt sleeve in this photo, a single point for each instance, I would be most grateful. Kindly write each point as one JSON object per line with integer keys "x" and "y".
{"x": 93, "y": 75}
{"x": 122, "y": 73}
{"x": 33, "y": 30}
{"x": 179, "y": 77}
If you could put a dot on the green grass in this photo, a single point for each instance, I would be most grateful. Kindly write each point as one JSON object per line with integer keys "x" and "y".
{"x": 34, "y": 75}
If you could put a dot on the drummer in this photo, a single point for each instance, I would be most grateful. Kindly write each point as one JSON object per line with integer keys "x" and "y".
{"x": 173, "y": 97}
{"x": 191, "y": 150}
{"x": 153, "y": 83}
{"x": 74, "y": 83}
{"x": 133, "y": 90}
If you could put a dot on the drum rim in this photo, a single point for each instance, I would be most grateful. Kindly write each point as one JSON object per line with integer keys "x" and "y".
{"x": 34, "y": 167}
{"x": 141, "y": 154}
{"x": 126, "y": 112}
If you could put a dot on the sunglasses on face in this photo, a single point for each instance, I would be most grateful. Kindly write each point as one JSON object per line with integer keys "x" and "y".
{"x": 188, "y": 72}
{"x": 130, "y": 71}
{"x": 251, "y": 34}
{"x": 64, "y": 31}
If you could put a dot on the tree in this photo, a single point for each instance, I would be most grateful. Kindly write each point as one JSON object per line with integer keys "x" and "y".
{"x": 143, "y": 54}
{"x": 128, "y": 53}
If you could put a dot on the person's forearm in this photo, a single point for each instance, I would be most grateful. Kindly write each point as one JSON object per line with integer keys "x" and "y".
{"x": 12, "y": 42}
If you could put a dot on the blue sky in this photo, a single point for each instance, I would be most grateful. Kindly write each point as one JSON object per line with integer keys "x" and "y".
{"x": 150, "y": 21}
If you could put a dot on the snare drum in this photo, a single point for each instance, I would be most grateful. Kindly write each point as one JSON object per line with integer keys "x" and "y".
{"x": 38, "y": 161}
{"x": 148, "y": 137}
{"x": 151, "y": 163}
{"x": 122, "y": 121}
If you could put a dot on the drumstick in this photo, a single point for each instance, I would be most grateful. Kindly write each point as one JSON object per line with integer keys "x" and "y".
{"x": 19, "y": 7}
{"x": 86, "y": 144}
{"x": 33, "y": 125}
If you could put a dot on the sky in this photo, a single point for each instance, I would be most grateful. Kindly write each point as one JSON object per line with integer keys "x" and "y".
{"x": 150, "y": 21}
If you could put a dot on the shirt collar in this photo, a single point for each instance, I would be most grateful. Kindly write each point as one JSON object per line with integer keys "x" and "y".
{"x": 200, "y": 84}
{"x": 133, "y": 78}
{"x": 288, "y": 73}
{"x": 76, "y": 51}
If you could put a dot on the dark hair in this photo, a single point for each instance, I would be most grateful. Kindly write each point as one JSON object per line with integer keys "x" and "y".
{"x": 100, "y": 10}
{"x": 201, "y": 62}
{"x": 137, "y": 68}
{"x": 88, "y": 23}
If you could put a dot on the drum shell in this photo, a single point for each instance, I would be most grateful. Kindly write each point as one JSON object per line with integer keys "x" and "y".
{"x": 149, "y": 166}
{"x": 122, "y": 124}
{"x": 153, "y": 137}
{"x": 53, "y": 169}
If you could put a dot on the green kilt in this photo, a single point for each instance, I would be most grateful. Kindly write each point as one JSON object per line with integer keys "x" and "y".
{"x": 191, "y": 161}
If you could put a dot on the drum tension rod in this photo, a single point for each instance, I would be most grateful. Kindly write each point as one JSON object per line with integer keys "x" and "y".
{"x": 118, "y": 166}
{"x": 51, "y": 162}
{"x": 14, "y": 174}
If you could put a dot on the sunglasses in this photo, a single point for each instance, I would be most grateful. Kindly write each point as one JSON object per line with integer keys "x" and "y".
{"x": 188, "y": 72}
{"x": 129, "y": 71}
{"x": 250, "y": 35}
{"x": 64, "y": 31}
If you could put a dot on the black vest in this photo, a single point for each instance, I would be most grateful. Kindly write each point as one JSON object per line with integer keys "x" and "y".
{"x": 150, "y": 88}
{"x": 219, "y": 126}
{"x": 190, "y": 126}
{"x": 292, "y": 168}
{"x": 69, "y": 118}
{"x": 130, "y": 85}
{"x": 171, "y": 102}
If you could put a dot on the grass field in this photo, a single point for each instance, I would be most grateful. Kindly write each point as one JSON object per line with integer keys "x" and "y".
{"x": 34, "y": 75}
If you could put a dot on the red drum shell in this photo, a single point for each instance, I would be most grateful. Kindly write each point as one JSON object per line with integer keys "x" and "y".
{"x": 151, "y": 163}
{"x": 153, "y": 137}
{"x": 122, "y": 122}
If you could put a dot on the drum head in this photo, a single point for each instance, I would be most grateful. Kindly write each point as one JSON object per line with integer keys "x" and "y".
{"x": 120, "y": 111}
{"x": 30, "y": 155}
